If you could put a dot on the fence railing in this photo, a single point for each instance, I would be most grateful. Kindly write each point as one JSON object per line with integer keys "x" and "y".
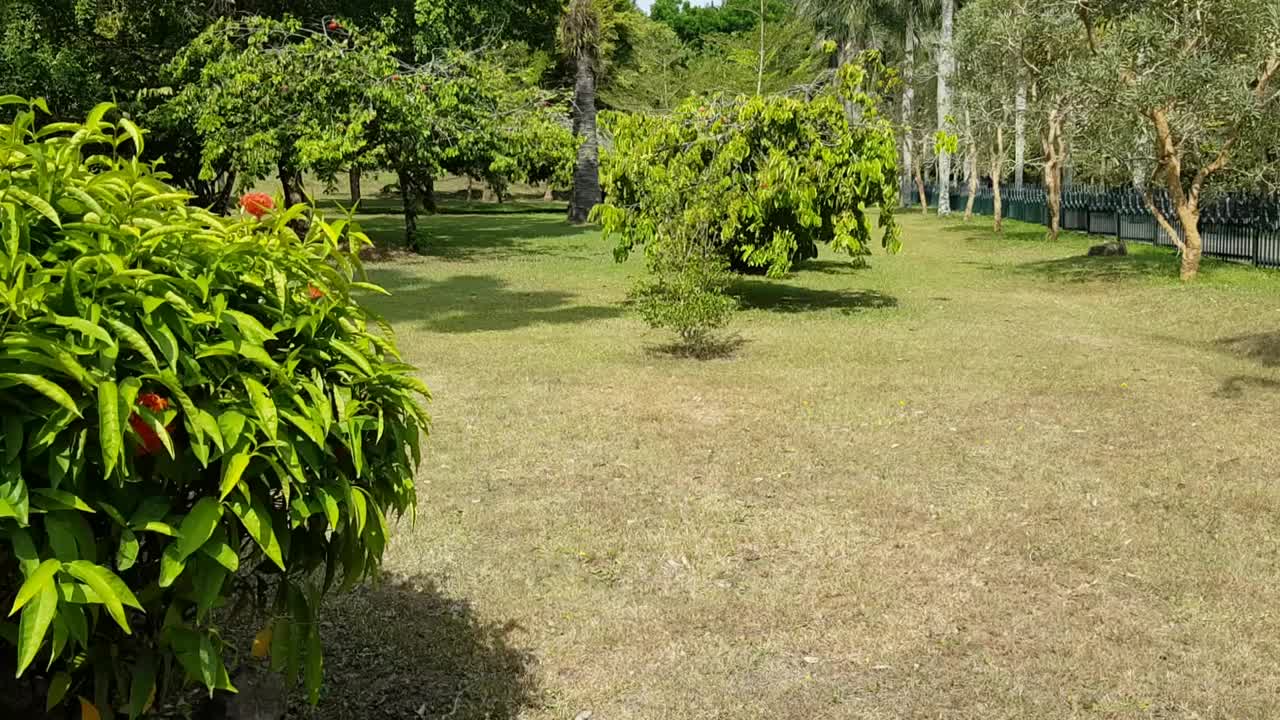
{"x": 1239, "y": 227}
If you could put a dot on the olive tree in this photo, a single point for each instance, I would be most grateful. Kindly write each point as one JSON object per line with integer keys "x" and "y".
{"x": 1195, "y": 81}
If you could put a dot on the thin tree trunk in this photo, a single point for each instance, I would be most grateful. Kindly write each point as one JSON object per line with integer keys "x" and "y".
{"x": 549, "y": 195}
{"x": 946, "y": 67}
{"x": 586, "y": 176}
{"x": 410, "y": 210}
{"x": 1189, "y": 219}
{"x": 1020, "y": 134}
{"x": 924, "y": 196}
{"x": 970, "y": 165}
{"x": 760, "y": 66}
{"x": 1051, "y": 141}
{"x": 909, "y": 95}
{"x": 997, "y": 172}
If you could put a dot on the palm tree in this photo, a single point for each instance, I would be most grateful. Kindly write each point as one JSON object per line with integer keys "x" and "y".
{"x": 581, "y": 37}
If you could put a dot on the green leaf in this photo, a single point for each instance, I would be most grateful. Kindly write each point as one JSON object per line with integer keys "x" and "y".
{"x": 134, "y": 341}
{"x": 198, "y": 526}
{"x": 35, "y": 203}
{"x": 35, "y": 583}
{"x": 141, "y": 685}
{"x": 232, "y": 469}
{"x": 262, "y": 406}
{"x": 172, "y": 565}
{"x": 308, "y": 428}
{"x": 34, "y": 625}
{"x": 207, "y": 581}
{"x": 353, "y": 355}
{"x": 314, "y": 674}
{"x": 85, "y": 327}
{"x": 62, "y": 500}
{"x": 127, "y": 554}
{"x": 58, "y": 686}
{"x": 257, "y": 521}
{"x": 222, "y": 553}
{"x": 49, "y": 389}
{"x": 231, "y": 424}
{"x": 100, "y": 580}
{"x": 109, "y": 436}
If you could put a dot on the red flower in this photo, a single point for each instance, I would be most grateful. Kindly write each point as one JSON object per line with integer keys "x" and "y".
{"x": 395, "y": 78}
{"x": 333, "y": 25}
{"x": 151, "y": 442}
{"x": 314, "y": 292}
{"x": 153, "y": 402}
{"x": 257, "y": 204}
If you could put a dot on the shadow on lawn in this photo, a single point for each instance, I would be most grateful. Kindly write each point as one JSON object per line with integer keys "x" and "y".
{"x": 1262, "y": 348}
{"x": 465, "y": 238}
{"x": 1233, "y": 388}
{"x": 404, "y": 649}
{"x": 779, "y": 297}
{"x": 474, "y": 303}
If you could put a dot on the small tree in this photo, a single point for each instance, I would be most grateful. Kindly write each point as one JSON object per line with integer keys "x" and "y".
{"x": 752, "y": 183}
{"x": 1201, "y": 78}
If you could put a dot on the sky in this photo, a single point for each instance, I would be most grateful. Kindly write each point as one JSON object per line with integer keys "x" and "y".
{"x": 646, "y": 4}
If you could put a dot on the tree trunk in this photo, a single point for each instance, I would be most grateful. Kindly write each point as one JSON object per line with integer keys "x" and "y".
{"x": 291, "y": 185}
{"x": 1020, "y": 134}
{"x": 997, "y": 172}
{"x": 586, "y": 176}
{"x": 909, "y": 95}
{"x": 549, "y": 195}
{"x": 1187, "y": 205}
{"x": 924, "y": 196}
{"x": 410, "y": 210}
{"x": 970, "y": 165}
{"x": 1051, "y": 141}
{"x": 429, "y": 196}
{"x": 946, "y": 67}
{"x": 354, "y": 181}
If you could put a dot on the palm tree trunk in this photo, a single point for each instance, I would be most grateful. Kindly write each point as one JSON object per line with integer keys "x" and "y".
{"x": 946, "y": 68}
{"x": 909, "y": 94}
{"x": 586, "y": 176}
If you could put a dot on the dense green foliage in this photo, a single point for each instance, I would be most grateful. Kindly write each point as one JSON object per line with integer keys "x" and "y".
{"x": 195, "y": 409}
{"x": 694, "y": 23}
{"x": 756, "y": 182}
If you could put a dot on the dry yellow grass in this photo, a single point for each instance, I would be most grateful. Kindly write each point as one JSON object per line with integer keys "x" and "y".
{"x": 982, "y": 479}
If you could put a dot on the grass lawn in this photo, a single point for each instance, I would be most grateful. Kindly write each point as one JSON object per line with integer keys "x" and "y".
{"x": 987, "y": 478}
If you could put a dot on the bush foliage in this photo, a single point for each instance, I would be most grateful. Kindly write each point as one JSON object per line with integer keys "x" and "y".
{"x": 195, "y": 410}
{"x": 756, "y": 181}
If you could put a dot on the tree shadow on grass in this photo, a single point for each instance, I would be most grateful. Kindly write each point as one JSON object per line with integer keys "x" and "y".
{"x": 1262, "y": 348}
{"x": 1081, "y": 268}
{"x": 403, "y": 649}
{"x": 834, "y": 267}
{"x": 718, "y": 347}
{"x": 1233, "y": 388}
{"x": 776, "y": 296}
{"x": 980, "y": 229}
{"x": 462, "y": 238}
{"x": 474, "y": 303}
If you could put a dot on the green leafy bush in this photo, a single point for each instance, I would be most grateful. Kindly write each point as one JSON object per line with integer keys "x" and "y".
{"x": 764, "y": 179}
{"x": 195, "y": 411}
{"x": 749, "y": 183}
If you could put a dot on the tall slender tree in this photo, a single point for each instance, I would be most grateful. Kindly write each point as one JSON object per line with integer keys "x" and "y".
{"x": 946, "y": 68}
{"x": 581, "y": 37}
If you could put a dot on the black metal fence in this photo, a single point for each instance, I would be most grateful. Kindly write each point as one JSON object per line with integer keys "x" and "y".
{"x": 1240, "y": 227}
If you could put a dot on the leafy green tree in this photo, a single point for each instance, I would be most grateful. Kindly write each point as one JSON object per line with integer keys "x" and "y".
{"x": 1197, "y": 82}
{"x": 753, "y": 183}
{"x": 196, "y": 410}
{"x": 695, "y": 23}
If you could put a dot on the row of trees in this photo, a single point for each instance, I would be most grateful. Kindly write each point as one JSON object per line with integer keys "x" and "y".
{"x": 1180, "y": 96}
